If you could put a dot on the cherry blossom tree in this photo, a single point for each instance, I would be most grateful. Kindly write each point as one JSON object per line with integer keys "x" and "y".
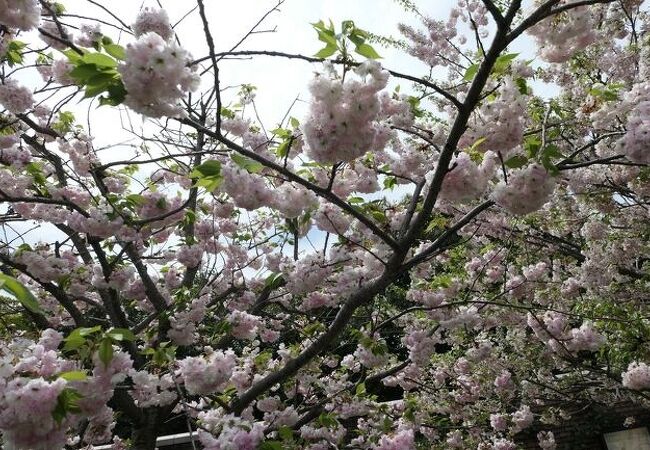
{"x": 446, "y": 264}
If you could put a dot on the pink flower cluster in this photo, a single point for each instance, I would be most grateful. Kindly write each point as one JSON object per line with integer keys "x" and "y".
{"x": 292, "y": 201}
{"x": 244, "y": 325}
{"x": 434, "y": 46}
{"x": 190, "y": 255}
{"x": 464, "y": 181}
{"x": 561, "y": 37}
{"x": 89, "y": 35}
{"x": 247, "y": 190}
{"x": 331, "y": 219}
{"x": 498, "y": 125}
{"x": 522, "y": 418}
{"x": 553, "y": 330}
{"x": 154, "y": 21}
{"x": 402, "y": 440}
{"x": 156, "y": 76}
{"x": 15, "y": 155}
{"x": 343, "y": 120}
{"x": 636, "y": 142}
{"x": 183, "y": 323}
{"x": 637, "y": 376}
{"x": 30, "y": 388}
{"x": 528, "y": 189}
{"x": 152, "y": 390}
{"x": 15, "y": 98}
{"x": 21, "y": 14}
{"x": 52, "y": 29}
{"x": 206, "y": 375}
{"x": 81, "y": 153}
{"x": 421, "y": 345}
{"x": 26, "y": 407}
{"x": 546, "y": 440}
{"x": 585, "y": 338}
{"x": 233, "y": 433}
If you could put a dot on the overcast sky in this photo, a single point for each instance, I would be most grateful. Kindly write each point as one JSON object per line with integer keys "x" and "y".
{"x": 279, "y": 81}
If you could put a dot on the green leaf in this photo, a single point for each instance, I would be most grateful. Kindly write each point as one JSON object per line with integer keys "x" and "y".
{"x": 390, "y": 182}
{"x": 116, "y": 94}
{"x": 368, "y": 51}
{"x": 58, "y": 8}
{"x": 14, "y": 53}
{"x": 66, "y": 403}
{"x": 208, "y": 175}
{"x": 88, "y": 331}
{"x": 73, "y": 56}
{"x": 552, "y": 151}
{"x": 83, "y": 72}
{"x": 73, "y": 375}
{"x": 470, "y": 72}
{"x": 503, "y": 62}
{"x": 283, "y": 148}
{"x": 105, "y": 351}
{"x": 516, "y": 162}
{"x": 64, "y": 122}
{"x": 285, "y": 433}
{"x": 73, "y": 342}
{"x": 320, "y": 26}
{"x": 121, "y": 334}
{"x": 92, "y": 91}
{"x": 136, "y": 199}
{"x": 116, "y": 51}
{"x": 274, "y": 281}
{"x": 271, "y": 445}
{"x": 550, "y": 167}
{"x": 360, "y": 389}
{"x": 327, "y": 37}
{"x": 326, "y": 51}
{"x": 348, "y": 27}
{"x": 99, "y": 59}
{"x": 327, "y": 420}
{"x": 247, "y": 164}
{"x": 522, "y": 86}
{"x": 101, "y": 79}
{"x": 207, "y": 169}
{"x": 532, "y": 145}
{"x": 22, "y": 294}
{"x": 478, "y": 142}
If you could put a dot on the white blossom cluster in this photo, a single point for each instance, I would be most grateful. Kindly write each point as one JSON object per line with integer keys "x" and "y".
{"x": 343, "y": 121}
{"x": 22, "y": 14}
{"x": 528, "y": 189}
{"x": 156, "y": 76}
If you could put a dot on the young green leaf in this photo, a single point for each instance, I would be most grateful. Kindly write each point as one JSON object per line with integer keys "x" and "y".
{"x": 99, "y": 59}
{"x": 470, "y": 72}
{"x": 326, "y": 51}
{"x": 368, "y": 51}
{"x": 105, "y": 351}
{"x": 209, "y": 168}
{"x": 516, "y": 162}
{"x": 73, "y": 375}
{"x": 66, "y": 403}
{"x": 121, "y": 334}
{"x": 20, "y": 292}
{"x": 246, "y": 163}
{"x": 116, "y": 51}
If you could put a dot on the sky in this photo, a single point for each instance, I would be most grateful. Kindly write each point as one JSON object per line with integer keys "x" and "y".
{"x": 279, "y": 81}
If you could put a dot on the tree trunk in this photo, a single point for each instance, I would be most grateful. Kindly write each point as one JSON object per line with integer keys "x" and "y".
{"x": 144, "y": 436}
